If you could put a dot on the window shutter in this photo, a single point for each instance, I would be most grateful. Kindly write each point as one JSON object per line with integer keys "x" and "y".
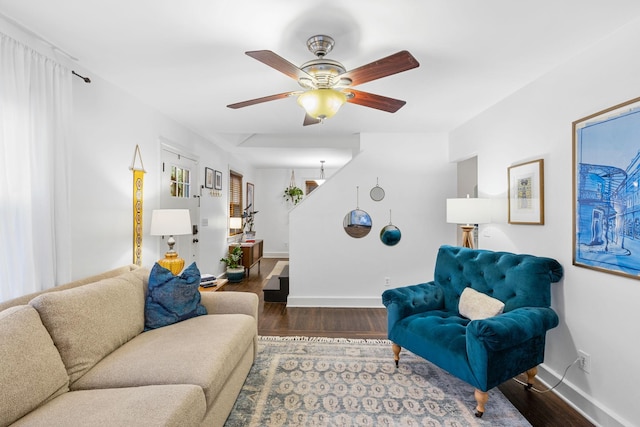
{"x": 235, "y": 197}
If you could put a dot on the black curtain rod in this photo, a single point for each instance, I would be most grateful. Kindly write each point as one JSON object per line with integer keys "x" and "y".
{"x": 86, "y": 79}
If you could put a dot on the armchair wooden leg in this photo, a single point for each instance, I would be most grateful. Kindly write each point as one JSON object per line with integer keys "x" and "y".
{"x": 531, "y": 375}
{"x": 481, "y": 397}
{"x": 396, "y": 352}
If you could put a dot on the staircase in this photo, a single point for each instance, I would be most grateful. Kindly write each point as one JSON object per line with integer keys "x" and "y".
{"x": 277, "y": 288}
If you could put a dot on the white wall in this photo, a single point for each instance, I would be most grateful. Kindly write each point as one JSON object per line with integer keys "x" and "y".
{"x": 329, "y": 268}
{"x": 108, "y": 124}
{"x": 272, "y": 220}
{"x": 598, "y": 311}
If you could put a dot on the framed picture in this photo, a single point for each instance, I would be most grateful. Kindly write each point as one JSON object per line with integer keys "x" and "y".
{"x": 606, "y": 197}
{"x": 526, "y": 193}
{"x": 208, "y": 178}
{"x": 250, "y": 206}
{"x": 218, "y": 181}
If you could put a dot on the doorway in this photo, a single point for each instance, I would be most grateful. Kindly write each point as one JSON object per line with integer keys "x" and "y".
{"x": 467, "y": 177}
{"x": 180, "y": 190}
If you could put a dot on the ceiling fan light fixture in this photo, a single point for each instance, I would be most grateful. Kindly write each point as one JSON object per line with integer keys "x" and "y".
{"x": 322, "y": 103}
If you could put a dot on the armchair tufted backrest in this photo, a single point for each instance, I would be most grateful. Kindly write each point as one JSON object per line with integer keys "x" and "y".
{"x": 517, "y": 280}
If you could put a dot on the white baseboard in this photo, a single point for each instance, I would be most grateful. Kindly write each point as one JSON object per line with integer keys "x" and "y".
{"x": 591, "y": 409}
{"x": 276, "y": 255}
{"x": 346, "y": 302}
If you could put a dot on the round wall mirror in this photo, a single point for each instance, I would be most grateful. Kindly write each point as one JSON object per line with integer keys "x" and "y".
{"x": 390, "y": 235}
{"x": 376, "y": 193}
{"x": 357, "y": 223}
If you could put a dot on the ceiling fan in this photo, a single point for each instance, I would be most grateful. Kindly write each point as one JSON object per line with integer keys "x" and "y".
{"x": 327, "y": 84}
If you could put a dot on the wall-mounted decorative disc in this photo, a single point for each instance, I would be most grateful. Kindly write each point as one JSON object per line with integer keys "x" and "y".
{"x": 390, "y": 235}
{"x": 357, "y": 223}
{"x": 376, "y": 193}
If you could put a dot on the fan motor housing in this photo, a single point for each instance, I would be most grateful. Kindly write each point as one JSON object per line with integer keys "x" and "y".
{"x": 325, "y": 71}
{"x": 320, "y": 45}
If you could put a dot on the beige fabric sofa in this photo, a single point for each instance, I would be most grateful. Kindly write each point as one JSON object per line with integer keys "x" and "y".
{"x": 76, "y": 355}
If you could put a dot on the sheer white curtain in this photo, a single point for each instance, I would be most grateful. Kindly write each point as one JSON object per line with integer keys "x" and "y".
{"x": 35, "y": 116}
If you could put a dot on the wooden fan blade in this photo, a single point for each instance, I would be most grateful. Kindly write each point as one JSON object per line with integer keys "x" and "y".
{"x": 371, "y": 100}
{"x": 308, "y": 120}
{"x": 261, "y": 100}
{"x": 393, "y": 64}
{"x": 277, "y": 62}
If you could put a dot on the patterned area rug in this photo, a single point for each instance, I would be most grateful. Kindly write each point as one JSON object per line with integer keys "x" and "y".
{"x": 300, "y": 381}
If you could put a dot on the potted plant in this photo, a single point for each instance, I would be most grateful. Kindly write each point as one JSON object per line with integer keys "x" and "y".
{"x": 235, "y": 271}
{"x": 293, "y": 194}
{"x": 249, "y": 217}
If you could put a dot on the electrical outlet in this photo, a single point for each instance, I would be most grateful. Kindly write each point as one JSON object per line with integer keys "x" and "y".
{"x": 584, "y": 361}
{"x": 387, "y": 282}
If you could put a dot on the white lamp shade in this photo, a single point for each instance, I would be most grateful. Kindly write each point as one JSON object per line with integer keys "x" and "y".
{"x": 170, "y": 222}
{"x": 468, "y": 211}
{"x": 235, "y": 222}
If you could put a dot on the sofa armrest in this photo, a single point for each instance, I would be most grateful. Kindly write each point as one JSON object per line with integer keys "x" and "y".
{"x": 512, "y": 328}
{"x": 231, "y": 303}
{"x": 409, "y": 300}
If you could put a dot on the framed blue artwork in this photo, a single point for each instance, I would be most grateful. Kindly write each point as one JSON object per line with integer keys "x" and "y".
{"x": 606, "y": 193}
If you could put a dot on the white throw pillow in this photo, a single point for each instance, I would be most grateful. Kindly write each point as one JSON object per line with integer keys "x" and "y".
{"x": 475, "y": 305}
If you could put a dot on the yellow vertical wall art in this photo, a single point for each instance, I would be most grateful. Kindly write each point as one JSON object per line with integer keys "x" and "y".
{"x": 138, "y": 187}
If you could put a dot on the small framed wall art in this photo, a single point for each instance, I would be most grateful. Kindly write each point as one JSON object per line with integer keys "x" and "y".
{"x": 208, "y": 177}
{"x": 526, "y": 193}
{"x": 250, "y": 206}
{"x": 218, "y": 181}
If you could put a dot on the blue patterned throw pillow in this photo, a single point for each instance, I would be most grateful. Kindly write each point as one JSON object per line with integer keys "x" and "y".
{"x": 172, "y": 299}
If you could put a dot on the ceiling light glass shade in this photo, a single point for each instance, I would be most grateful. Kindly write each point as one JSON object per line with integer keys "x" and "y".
{"x": 322, "y": 103}
{"x": 322, "y": 179}
{"x": 468, "y": 211}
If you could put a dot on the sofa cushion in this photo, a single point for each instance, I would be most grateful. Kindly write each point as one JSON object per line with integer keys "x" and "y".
{"x": 152, "y": 406}
{"x": 24, "y": 299}
{"x": 89, "y": 322}
{"x": 475, "y": 305}
{"x": 203, "y": 351}
{"x": 31, "y": 370}
{"x": 172, "y": 299}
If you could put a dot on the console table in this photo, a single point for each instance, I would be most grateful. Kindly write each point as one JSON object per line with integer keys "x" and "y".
{"x": 251, "y": 255}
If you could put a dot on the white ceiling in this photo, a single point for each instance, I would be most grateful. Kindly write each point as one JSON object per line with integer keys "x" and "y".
{"x": 186, "y": 58}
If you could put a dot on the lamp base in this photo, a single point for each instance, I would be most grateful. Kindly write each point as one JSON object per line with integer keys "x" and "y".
{"x": 172, "y": 262}
{"x": 467, "y": 236}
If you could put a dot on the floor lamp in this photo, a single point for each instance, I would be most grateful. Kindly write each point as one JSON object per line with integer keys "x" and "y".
{"x": 468, "y": 212}
{"x": 171, "y": 222}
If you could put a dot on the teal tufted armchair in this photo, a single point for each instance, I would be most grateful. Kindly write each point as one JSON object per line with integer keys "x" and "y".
{"x": 425, "y": 318}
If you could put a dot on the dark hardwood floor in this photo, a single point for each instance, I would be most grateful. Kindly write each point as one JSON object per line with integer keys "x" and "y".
{"x": 277, "y": 319}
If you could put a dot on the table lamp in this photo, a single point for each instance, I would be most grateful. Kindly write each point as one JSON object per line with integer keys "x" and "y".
{"x": 235, "y": 223}
{"x": 171, "y": 222}
{"x": 469, "y": 212}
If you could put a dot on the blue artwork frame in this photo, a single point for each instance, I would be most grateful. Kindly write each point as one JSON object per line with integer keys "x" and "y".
{"x": 606, "y": 190}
